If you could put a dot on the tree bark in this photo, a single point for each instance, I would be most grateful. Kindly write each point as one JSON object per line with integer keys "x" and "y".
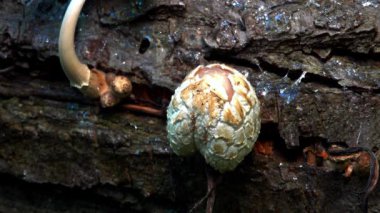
{"x": 314, "y": 64}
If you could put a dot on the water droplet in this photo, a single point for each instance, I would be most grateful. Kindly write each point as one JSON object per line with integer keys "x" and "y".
{"x": 224, "y": 24}
{"x": 307, "y": 187}
{"x": 300, "y": 78}
{"x": 245, "y": 73}
{"x": 139, "y": 4}
{"x": 312, "y": 2}
{"x": 370, "y": 3}
{"x": 238, "y": 4}
{"x": 41, "y": 40}
{"x": 290, "y": 93}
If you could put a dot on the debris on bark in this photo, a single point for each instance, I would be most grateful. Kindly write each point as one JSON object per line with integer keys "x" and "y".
{"x": 314, "y": 64}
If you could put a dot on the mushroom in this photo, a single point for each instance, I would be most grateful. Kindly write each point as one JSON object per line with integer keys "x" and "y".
{"x": 91, "y": 82}
{"x": 214, "y": 111}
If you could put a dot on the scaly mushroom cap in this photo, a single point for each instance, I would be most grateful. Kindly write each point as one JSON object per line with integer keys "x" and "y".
{"x": 215, "y": 110}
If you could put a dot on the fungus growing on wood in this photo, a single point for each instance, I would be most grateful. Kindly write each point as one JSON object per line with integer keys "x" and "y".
{"x": 93, "y": 83}
{"x": 214, "y": 111}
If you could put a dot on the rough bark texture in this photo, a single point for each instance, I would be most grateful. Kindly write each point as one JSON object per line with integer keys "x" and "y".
{"x": 61, "y": 152}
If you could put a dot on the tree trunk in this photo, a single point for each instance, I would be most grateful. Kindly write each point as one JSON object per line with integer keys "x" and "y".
{"x": 314, "y": 64}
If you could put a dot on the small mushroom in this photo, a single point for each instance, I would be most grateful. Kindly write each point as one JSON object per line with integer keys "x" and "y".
{"x": 214, "y": 111}
{"x": 93, "y": 83}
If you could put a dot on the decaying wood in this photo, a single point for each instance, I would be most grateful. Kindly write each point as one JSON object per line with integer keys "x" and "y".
{"x": 53, "y": 136}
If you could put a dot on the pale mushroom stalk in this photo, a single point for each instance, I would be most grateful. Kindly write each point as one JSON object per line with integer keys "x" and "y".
{"x": 76, "y": 72}
{"x": 93, "y": 83}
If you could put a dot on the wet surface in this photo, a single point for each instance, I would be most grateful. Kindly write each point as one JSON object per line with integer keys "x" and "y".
{"x": 315, "y": 66}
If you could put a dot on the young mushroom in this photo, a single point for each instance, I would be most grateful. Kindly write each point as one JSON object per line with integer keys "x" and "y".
{"x": 357, "y": 158}
{"x": 348, "y": 159}
{"x": 214, "y": 111}
{"x": 91, "y": 82}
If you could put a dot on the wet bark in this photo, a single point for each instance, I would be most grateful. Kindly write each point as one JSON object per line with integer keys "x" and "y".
{"x": 55, "y": 143}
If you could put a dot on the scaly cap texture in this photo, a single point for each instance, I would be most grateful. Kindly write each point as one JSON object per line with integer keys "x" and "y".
{"x": 215, "y": 111}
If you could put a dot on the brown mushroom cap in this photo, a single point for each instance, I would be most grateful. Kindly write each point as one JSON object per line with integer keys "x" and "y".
{"x": 214, "y": 111}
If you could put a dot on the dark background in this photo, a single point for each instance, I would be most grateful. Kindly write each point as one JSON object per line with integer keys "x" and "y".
{"x": 61, "y": 152}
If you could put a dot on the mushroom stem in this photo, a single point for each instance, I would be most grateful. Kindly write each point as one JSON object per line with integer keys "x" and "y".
{"x": 78, "y": 73}
{"x": 93, "y": 83}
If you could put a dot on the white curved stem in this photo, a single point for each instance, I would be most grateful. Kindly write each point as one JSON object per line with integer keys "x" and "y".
{"x": 77, "y": 72}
